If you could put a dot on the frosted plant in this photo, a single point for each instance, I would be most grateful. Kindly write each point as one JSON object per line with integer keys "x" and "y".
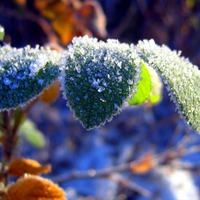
{"x": 24, "y": 73}
{"x": 97, "y": 78}
{"x": 181, "y": 77}
{"x": 4, "y": 50}
{"x": 149, "y": 88}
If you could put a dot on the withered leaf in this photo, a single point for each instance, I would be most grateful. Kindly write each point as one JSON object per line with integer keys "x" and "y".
{"x": 22, "y": 166}
{"x": 143, "y": 165}
{"x": 51, "y": 93}
{"x": 35, "y": 188}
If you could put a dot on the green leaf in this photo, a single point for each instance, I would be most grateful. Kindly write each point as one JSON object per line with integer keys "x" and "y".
{"x": 19, "y": 116}
{"x": 182, "y": 79}
{"x": 2, "y": 32}
{"x": 144, "y": 87}
{"x": 149, "y": 87}
{"x": 34, "y": 136}
{"x": 24, "y": 73}
{"x": 156, "y": 87}
{"x": 97, "y": 78}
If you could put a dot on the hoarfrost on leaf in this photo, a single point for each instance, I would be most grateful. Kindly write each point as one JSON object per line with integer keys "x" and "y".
{"x": 25, "y": 72}
{"x": 181, "y": 77}
{"x": 101, "y": 85}
{"x": 6, "y": 81}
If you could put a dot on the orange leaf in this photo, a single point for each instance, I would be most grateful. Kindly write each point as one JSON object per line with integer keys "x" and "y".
{"x": 2, "y": 140}
{"x": 35, "y": 188}
{"x": 50, "y": 94}
{"x": 50, "y": 9}
{"x": 86, "y": 10}
{"x": 20, "y": 2}
{"x": 144, "y": 165}
{"x": 40, "y": 4}
{"x": 65, "y": 26}
{"x": 22, "y": 166}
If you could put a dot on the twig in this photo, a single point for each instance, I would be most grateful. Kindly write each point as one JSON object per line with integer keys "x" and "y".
{"x": 8, "y": 144}
{"x": 174, "y": 153}
{"x": 106, "y": 173}
{"x": 191, "y": 150}
{"x": 195, "y": 168}
{"x": 124, "y": 167}
{"x": 44, "y": 25}
{"x": 131, "y": 185}
{"x": 125, "y": 22}
{"x": 8, "y": 136}
{"x": 75, "y": 4}
{"x": 91, "y": 173}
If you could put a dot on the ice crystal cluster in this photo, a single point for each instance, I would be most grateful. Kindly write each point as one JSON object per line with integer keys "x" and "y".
{"x": 97, "y": 78}
{"x": 24, "y": 73}
{"x": 181, "y": 77}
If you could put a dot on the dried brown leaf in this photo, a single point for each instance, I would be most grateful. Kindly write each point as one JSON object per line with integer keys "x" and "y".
{"x": 50, "y": 9}
{"x": 20, "y": 2}
{"x": 35, "y": 188}
{"x": 144, "y": 165}
{"x": 51, "y": 93}
{"x": 22, "y": 166}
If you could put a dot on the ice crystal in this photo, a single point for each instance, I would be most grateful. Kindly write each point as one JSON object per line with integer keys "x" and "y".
{"x": 24, "y": 73}
{"x": 101, "y": 75}
{"x": 181, "y": 77}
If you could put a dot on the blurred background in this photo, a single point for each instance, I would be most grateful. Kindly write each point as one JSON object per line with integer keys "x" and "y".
{"x": 100, "y": 164}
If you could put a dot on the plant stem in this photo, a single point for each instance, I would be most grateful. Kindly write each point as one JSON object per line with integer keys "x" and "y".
{"x": 8, "y": 142}
{"x": 9, "y": 134}
{"x": 22, "y": 115}
{"x": 9, "y": 137}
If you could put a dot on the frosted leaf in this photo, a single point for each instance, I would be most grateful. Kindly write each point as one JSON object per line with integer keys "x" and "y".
{"x": 6, "y": 81}
{"x": 130, "y": 82}
{"x": 77, "y": 99}
{"x": 24, "y": 73}
{"x": 14, "y": 86}
{"x": 95, "y": 83}
{"x": 116, "y": 106}
{"x": 103, "y": 100}
{"x": 101, "y": 89}
{"x": 40, "y": 81}
{"x": 101, "y": 85}
{"x": 181, "y": 77}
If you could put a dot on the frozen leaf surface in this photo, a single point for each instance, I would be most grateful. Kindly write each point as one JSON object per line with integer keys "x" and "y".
{"x": 182, "y": 79}
{"x": 97, "y": 78}
{"x": 24, "y": 73}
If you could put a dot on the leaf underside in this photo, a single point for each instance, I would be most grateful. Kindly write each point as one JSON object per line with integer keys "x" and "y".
{"x": 182, "y": 79}
{"x": 149, "y": 88}
{"x": 143, "y": 88}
